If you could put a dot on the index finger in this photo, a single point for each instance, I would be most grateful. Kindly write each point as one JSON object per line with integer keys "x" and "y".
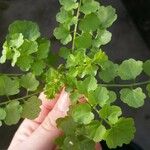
{"x": 47, "y": 106}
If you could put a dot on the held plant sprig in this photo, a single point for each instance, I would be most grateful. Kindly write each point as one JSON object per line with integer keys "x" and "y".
{"x": 87, "y": 73}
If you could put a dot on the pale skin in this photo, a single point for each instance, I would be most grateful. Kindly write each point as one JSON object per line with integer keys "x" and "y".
{"x": 40, "y": 134}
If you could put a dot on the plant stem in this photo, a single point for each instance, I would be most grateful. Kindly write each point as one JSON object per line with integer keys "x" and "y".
{"x": 76, "y": 26}
{"x": 11, "y": 74}
{"x": 18, "y": 99}
{"x": 126, "y": 85}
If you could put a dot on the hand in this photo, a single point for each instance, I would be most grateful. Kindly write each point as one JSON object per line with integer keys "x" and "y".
{"x": 41, "y": 133}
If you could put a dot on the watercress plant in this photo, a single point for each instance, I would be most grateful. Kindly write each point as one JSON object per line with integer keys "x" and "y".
{"x": 86, "y": 73}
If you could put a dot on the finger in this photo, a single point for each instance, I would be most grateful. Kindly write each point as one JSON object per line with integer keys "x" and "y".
{"x": 47, "y": 106}
{"x": 98, "y": 146}
{"x": 48, "y": 131}
{"x": 27, "y": 127}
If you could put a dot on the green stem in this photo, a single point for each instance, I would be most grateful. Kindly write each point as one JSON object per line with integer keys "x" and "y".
{"x": 126, "y": 85}
{"x": 18, "y": 99}
{"x": 95, "y": 109}
{"x": 11, "y": 74}
{"x": 75, "y": 27}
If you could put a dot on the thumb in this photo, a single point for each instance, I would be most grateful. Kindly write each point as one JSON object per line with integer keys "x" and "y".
{"x": 47, "y": 132}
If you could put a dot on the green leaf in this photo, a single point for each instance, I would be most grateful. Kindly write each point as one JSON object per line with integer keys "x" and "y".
{"x": 71, "y": 61}
{"x": 72, "y": 72}
{"x": 61, "y": 33}
{"x": 54, "y": 82}
{"x": 107, "y": 15}
{"x": 89, "y": 23}
{"x": 71, "y": 142}
{"x": 60, "y": 140}
{"x": 100, "y": 57}
{"x": 82, "y": 114}
{"x": 38, "y": 67}
{"x": 69, "y": 4}
{"x": 121, "y": 133}
{"x": 6, "y": 53}
{"x": 103, "y": 37}
{"x": 112, "y": 97}
{"x": 130, "y": 69}
{"x": 52, "y": 89}
{"x": 8, "y": 86}
{"x": 43, "y": 48}
{"x": 29, "y": 82}
{"x": 77, "y": 58}
{"x": 109, "y": 71}
{"x": 31, "y": 108}
{"x": 95, "y": 131}
{"x": 64, "y": 52}
{"x": 86, "y": 144}
{"x": 146, "y": 67}
{"x": 111, "y": 113}
{"x": 89, "y": 69}
{"x": 83, "y": 41}
{"x": 2, "y": 114}
{"x": 29, "y": 29}
{"x": 25, "y": 62}
{"x": 28, "y": 47}
{"x": 15, "y": 57}
{"x": 63, "y": 16}
{"x": 89, "y": 7}
{"x": 67, "y": 124}
{"x": 15, "y": 40}
{"x": 77, "y": 143}
{"x": 74, "y": 97}
{"x": 66, "y": 18}
{"x": 133, "y": 97}
{"x": 99, "y": 96}
{"x": 13, "y": 113}
{"x": 89, "y": 84}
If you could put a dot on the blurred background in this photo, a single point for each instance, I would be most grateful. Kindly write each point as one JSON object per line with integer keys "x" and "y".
{"x": 131, "y": 38}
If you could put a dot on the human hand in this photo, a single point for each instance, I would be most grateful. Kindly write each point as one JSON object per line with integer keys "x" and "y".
{"x": 40, "y": 134}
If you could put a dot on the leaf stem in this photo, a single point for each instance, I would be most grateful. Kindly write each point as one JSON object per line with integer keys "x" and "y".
{"x": 76, "y": 26}
{"x": 126, "y": 85}
{"x": 18, "y": 99}
{"x": 11, "y": 74}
